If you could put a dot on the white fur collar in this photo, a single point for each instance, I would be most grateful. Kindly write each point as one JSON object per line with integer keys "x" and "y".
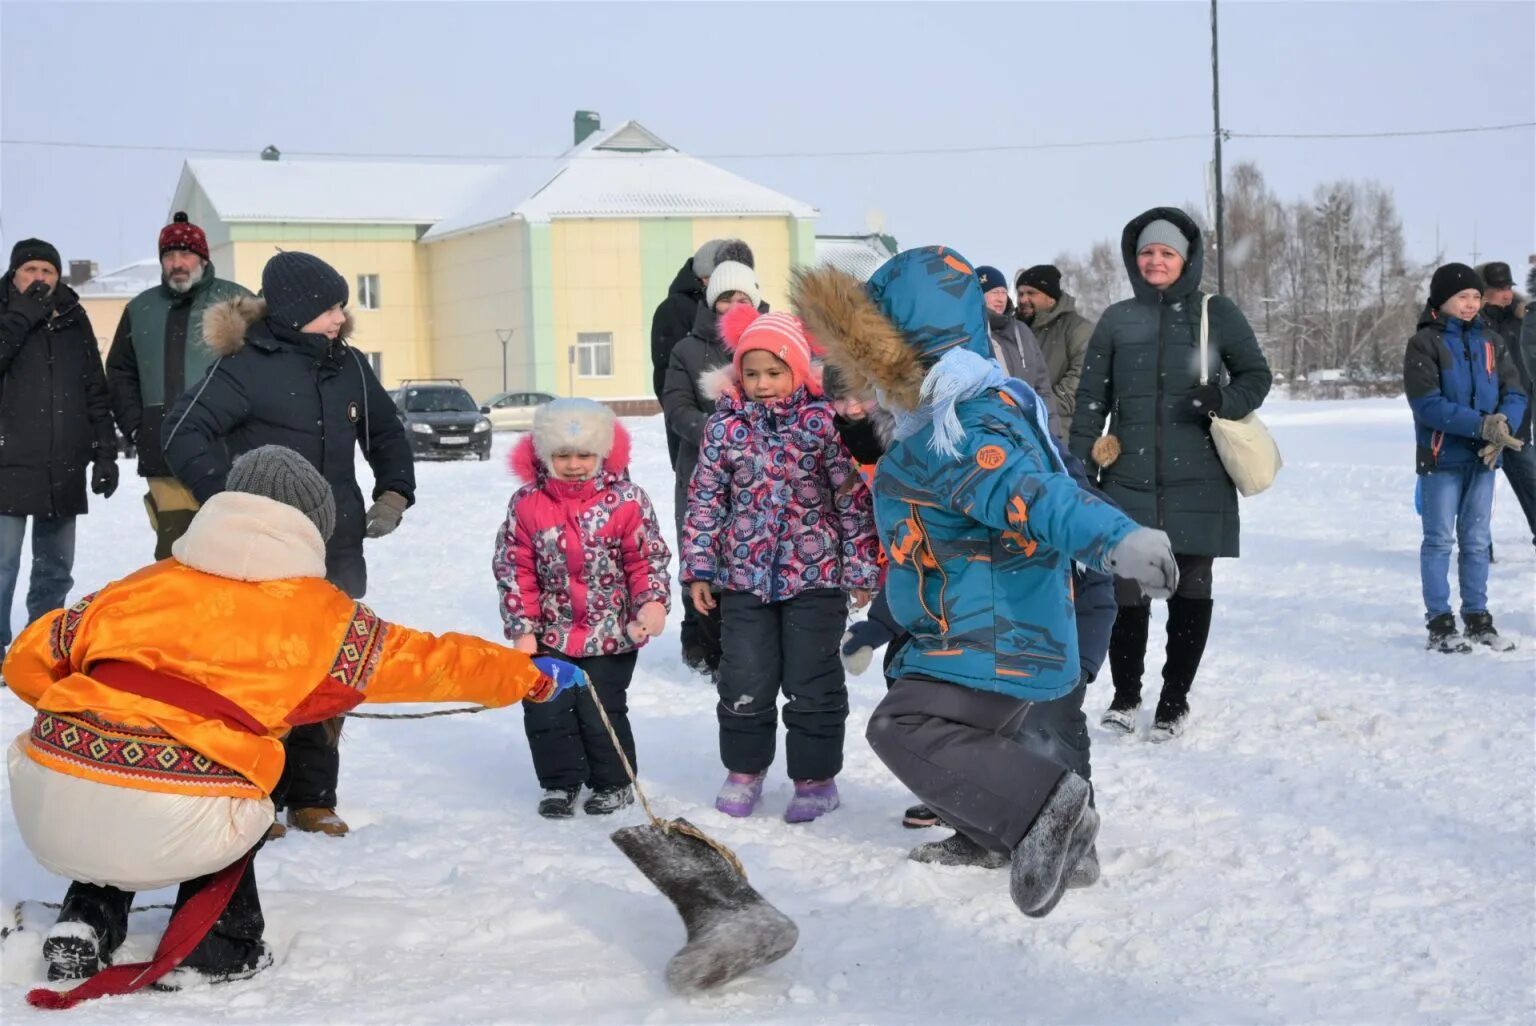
{"x": 251, "y": 538}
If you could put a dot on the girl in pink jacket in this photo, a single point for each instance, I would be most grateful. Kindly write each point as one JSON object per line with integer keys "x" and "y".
{"x": 582, "y": 571}
{"x": 780, "y": 532}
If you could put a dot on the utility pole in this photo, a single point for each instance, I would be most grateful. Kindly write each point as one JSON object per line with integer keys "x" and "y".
{"x": 1221, "y": 248}
{"x": 505, "y": 334}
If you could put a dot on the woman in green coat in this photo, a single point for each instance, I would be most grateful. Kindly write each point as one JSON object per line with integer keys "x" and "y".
{"x": 1142, "y": 375}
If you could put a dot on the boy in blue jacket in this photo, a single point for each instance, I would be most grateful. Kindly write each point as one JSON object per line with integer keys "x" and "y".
{"x": 982, "y": 524}
{"x": 1465, "y": 393}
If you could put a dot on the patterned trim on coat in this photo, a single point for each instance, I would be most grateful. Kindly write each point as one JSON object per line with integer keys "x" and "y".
{"x": 139, "y": 756}
{"x": 361, "y": 648}
{"x": 62, "y": 637}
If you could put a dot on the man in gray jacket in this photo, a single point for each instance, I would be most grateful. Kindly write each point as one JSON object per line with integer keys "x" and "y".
{"x": 1062, "y": 331}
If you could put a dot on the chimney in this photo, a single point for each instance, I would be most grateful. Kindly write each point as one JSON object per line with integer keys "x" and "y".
{"x": 587, "y": 122}
{"x": 81, "y": 271}
{"x": 271, "y": 153}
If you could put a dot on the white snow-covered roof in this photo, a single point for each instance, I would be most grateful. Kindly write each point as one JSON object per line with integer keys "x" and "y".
{"x": 624, "y": 172}
{"x": 350, "y": 192}
{"x": 128, "y": 280}
{"x": 859, "y": 255}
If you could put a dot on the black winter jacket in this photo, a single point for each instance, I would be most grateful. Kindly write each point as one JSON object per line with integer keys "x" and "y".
{"x": 684, "y": 403}
{"x": 55, "y": 417}
{"x": 1506, "y": 321}
{"x": 276, "y": 387}
{"x": 1142, "y": 365}
{"x": 674, "y": 318}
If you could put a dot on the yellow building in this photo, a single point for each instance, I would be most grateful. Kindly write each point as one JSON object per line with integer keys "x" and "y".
{"x": 105, "y": 295}
{"x": 536, "y": 275}
{"x": 571, "y": 264}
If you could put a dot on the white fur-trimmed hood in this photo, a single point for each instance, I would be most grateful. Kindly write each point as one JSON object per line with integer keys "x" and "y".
{"x": 248, "y": 537}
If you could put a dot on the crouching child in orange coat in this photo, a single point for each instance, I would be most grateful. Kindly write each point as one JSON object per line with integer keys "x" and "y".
{"x": 161, "y": 704}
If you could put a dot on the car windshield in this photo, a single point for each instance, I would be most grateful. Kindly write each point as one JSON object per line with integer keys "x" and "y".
{"x": 439, "y": 400}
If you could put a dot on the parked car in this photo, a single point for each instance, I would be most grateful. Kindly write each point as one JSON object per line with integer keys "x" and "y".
{"x": 442, "y": 420}
{"x": 513, "y": 411}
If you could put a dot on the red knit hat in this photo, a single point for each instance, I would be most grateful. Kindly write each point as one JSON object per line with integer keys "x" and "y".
{"x": 183, "y": 234}
{"x": 743, "y": 329}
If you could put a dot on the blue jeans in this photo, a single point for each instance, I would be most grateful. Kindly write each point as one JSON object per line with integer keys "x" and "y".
{"x": 53, "y": 557}
{"x": 1456, "y": 506}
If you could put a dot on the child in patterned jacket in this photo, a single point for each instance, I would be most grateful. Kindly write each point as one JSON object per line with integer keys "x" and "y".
{"x": 781, "y": 525}
{"x": 582, "y": 571}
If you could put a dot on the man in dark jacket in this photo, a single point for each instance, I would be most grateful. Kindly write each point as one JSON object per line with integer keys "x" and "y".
{"x": 55, "y": 419}
{"x": 285, "y": 376}
{"x": 1013, "y": 345}
{"x": 687, "y": 408}
{"x": 1063, "y": 334}
{"x": 1503, "y": 310}
{"x": 157, "y": 351}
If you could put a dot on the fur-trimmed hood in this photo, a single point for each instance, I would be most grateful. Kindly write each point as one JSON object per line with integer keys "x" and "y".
{"x": 919, "y": 306}
{"x": 525, "y": 465}
{"x": 227, "y": 324}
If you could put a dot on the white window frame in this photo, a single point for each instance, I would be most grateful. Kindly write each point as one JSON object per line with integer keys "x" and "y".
{"x": 367, "y": 291}
{"x": 593, "y": 349}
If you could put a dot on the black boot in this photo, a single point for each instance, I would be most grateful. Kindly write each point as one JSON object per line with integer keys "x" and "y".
{"x": 92, "y": 923}
{"x": 1127, "y": 662}
{"x": 731, "y": 928}
{"x": 559, "y": 802}
{"x": 1189, "y": 626}
{"x": 1480, "y": 632}
{"x": 1443, "y": 635}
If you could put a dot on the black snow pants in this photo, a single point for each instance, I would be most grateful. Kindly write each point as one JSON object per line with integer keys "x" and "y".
{"x": 566, "y": 737}
{"x": 789, "y": 646}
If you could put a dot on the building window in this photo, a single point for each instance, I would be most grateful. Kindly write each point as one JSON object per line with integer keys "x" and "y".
{"x": 368, "y": 291}
{"x": 594, "y": 354}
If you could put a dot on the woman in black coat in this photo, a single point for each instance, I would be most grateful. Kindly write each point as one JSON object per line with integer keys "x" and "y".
{"x": 1158, "y": 462}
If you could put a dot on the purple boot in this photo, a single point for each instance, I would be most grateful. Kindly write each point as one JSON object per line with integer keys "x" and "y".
{"x": 740, "y": 794}
{"x": 812, "y": 798}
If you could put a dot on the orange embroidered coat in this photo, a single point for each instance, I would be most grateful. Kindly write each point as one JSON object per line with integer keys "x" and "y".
{"x": 288, "y": 650}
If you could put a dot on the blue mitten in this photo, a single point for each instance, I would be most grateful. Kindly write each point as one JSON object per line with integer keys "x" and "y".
{"x": 560, "y": 675}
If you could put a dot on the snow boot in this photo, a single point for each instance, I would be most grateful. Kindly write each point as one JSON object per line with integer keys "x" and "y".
{"x": 740, "y": 794}
{"x": 1061, "y": 834}
{"x": 318, "y": 821}
{"x": 958, "y": 850}
{"x": 731, "y": 928}
{"x": 559, "y": 802}
{"x": 1168, "y": 723}
{"x": 604, "y": 801}
{"x": 1444, "y": 637}
{"x": 1120, "y": 717}
{"x": 919, "y": 817}
{"x": 813, "y": 799}
{"x": 1128, "y": 652}
{"x": 185, "y": 976}
{"x": 73, "y": 952}
{"x": 1086, "y": 872}
{"x": 1480, "y": 632}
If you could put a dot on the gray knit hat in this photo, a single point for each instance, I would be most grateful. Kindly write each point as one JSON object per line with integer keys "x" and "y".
{"x": 279, "y": 473}
{"x": 1165, "y": 232}
{"x": 704, "y": 258}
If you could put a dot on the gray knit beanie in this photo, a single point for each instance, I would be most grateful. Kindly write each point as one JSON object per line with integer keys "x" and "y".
{"x": 279, "y": 473}
{"x": 1167, "y": 233}
{"x": 704, "y": 259}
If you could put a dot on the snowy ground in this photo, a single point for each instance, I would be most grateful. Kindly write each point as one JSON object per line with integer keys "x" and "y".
{"x": 1345, "y": 834}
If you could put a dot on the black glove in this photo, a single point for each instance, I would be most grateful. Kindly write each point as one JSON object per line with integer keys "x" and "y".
{"x": 35, "y": 304}
{"x": 104, "y": 478}
{"x": 1202, "y": 403}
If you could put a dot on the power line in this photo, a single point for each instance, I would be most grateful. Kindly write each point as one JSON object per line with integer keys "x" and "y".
{"x": 789, "y": 154}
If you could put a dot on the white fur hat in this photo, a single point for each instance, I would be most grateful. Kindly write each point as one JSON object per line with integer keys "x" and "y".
{"x": 733, "y": 277}
{"x": 572, "y": 425}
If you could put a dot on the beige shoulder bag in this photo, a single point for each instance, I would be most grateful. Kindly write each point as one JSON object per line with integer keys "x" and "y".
{"x": 1249, "y": 454}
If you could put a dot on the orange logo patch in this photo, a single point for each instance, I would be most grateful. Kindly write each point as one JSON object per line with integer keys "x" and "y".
{"x": 990, "y": 457}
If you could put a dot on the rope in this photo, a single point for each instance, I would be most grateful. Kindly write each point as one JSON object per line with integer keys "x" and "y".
{"x": 16, "y": 919}
{"x": 418, "y": 716}
{"x": 668, "y": 826}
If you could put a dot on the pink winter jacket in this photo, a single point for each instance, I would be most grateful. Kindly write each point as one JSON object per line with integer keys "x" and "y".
{"x": 576, "y": 560}
{"x": 776, "y": 505}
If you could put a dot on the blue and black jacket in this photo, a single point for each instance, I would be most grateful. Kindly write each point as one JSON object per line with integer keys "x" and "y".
{"x": 1456, "y": 373}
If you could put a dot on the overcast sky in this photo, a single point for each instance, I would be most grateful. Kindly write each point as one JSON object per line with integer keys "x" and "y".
{"x": 804, "y": 79}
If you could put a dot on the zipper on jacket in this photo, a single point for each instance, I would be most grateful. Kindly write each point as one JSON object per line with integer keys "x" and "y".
{"x": 1157, "y": 424}
{"x": 925, "y": 548}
